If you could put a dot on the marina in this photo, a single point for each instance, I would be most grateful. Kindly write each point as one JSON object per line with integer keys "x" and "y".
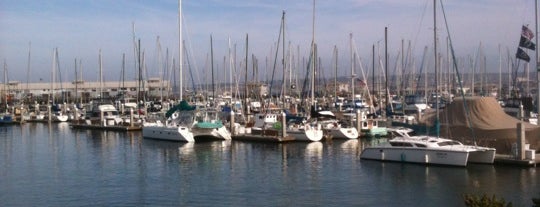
{"x": 287, "y": 122}
{"x": 111, "y": 168}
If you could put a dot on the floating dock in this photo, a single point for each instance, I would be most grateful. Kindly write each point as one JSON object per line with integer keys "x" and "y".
{"x": 262, "y": 138}
{"x": 511, "y": 160}
{"x": 109, "y": 128}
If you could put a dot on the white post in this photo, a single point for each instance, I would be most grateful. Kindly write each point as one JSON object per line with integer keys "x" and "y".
{"x": 359, "y": 121}
{"x": 49, "y": 112}
{"x": 284, "y": 124}
{"x": 232, "y": 123}
{"x": 102, "y": 119}
{"x": 131, "y": 116}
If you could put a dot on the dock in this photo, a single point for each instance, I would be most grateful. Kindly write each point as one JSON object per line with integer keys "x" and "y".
{"x": 262, "y": 138}
{"x": 511, "y": 160}
{"x": 109, "y": 128}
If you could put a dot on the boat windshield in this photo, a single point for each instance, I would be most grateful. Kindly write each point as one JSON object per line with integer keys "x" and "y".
{"x": 401, "y": 144}
{"x": 184, "y": 118}
{"x": 448, "y": 143}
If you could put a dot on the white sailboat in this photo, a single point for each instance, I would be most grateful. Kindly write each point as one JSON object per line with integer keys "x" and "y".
{"x": 57, "y": 115}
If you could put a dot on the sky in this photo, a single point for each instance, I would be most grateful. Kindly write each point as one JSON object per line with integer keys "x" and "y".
{"x": 80, "y": 29}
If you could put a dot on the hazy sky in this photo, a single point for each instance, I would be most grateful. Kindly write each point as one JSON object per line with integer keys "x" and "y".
{"x": 79, "y": 29}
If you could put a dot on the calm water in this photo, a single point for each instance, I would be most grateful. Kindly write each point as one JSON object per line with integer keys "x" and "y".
{"x": 53, "y": 165}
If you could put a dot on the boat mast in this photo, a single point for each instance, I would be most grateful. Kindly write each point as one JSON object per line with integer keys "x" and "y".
{"x": 387, "y": 92}
{"x": 76, "y": 82}
{"x": 28, "y": 67}
{"x": 212, "y": 68}
{"x": 436, "y": 62}
{"x": 335, "y": 76}
{"x": 51, "y": 98}
{"x": 100, "y": 76}
{"x": 313, "y": 58}
{"x": 352, "y": 71}
{"x": 284, "y": 88}
{"x": 5, "y": 86}
{"x": 180, "y": 52}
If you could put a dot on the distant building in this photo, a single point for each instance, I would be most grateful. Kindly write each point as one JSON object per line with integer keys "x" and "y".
{"x": 83, "y": 90}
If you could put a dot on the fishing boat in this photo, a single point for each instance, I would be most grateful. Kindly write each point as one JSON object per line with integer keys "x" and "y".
{"x": 428, "y": 150}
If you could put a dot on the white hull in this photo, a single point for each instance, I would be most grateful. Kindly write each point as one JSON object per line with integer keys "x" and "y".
{"x": 306, "y": 133}
{"x": 482, "y": 155}
{"x": 60, "y": 117}
{"x": 180, "y": 133}
{"x": 412, "y": 155}
{"x": 428, "y": 150}
{"x": 220, "y": 133}
{"x": 343, "y": 133}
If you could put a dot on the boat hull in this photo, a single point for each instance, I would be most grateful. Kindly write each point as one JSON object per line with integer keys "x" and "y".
{"x": 218, "y": 133}
{"x": 415, "y": 155}
{"x": 180, "y": 133}
{"x": 312, "y": 134}
{"x": 484, "y": 156}
{"x": 343, "y": 133}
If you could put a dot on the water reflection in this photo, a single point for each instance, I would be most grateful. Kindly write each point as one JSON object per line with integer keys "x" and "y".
{"x": 112, "y": 168}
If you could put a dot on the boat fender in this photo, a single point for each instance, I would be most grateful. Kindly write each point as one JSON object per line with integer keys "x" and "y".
{"x": 403, "y": 157}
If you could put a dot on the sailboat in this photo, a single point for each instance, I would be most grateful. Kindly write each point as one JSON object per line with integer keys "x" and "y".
{"x": 58, "y": 115}
{"x": 184, "y": 122}
{"x": 429, "y": 149}
{"x": 5, "y": 116}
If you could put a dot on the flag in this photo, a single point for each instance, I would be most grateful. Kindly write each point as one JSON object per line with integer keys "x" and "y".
{"x": 526, "y": 43}
{"x": 526, "y": 32}
{"x": 522, "y": 55}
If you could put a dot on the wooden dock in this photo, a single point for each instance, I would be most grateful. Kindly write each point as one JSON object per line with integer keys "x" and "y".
{"x": 511, "y": 160}
{"x": 109, "y": 128}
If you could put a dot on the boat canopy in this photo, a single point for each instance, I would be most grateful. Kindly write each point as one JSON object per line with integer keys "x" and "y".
{"x": 182, "y": 106}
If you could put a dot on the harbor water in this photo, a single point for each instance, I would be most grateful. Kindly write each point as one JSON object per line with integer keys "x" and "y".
{"x": 54, "y": 165}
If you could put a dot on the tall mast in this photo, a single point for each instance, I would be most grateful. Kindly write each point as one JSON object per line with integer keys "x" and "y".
{"x": 28, "y": 67}
{"x": 180, "y": 52}
{"x": 335, "y": 76}
{"x": 245, "y": 79}
{"x": 313, "y": 58}
{"x": 51, "y": 98}
{"x": 100, "y": 75}
{"x": 352, "y": 69}
{"x": 436, "y": 62}
{"x": 283, "y": 59}
{"x": 387, "y": 93}
{"x": 76, "y": 82}
{"x": 212, "y": 68}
